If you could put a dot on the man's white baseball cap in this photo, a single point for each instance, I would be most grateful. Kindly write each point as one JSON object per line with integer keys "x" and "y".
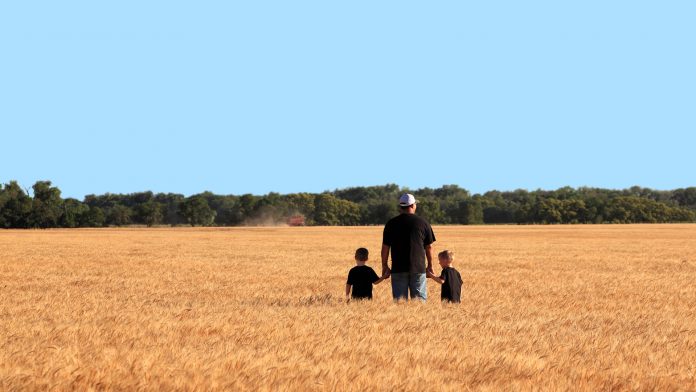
{"x": 407, "y": 199}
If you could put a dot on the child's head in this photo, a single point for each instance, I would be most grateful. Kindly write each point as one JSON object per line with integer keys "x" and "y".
{"x": 446, "y": 258}
{"x": 361, "y": 255}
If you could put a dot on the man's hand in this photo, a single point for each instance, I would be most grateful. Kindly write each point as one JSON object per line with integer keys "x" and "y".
{"x": 386, "y": 272}
{"x": 429, "y": 271}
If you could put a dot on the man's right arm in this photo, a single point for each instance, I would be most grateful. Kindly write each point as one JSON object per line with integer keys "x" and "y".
{"x": 429, "y": 258}
{"x": 385, "y": 261}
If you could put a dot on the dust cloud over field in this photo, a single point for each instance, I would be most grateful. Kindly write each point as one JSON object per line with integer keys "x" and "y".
{"x": 546, "y": 307}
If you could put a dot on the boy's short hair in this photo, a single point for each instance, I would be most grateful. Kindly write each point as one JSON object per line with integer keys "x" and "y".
{"x": 446, "y": 254}
{"x": 361, "y": 254}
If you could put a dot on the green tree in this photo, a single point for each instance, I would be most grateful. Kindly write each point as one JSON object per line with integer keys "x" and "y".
{"x": 331, "y": 211}
{"x": 450, "y": 198}
{"x": 685, "y": 197}
{"x": 301, "y": 204}
{"x": 378, "y": 212}
{"x": 369, "y": 194}
{"x": 429, "y": 209}
{"x": 227, "y": 212}
{"x": 150, "y": 213}
{"x": 197, "y": 212}
{"x": 93, "y": 217}
{"x": 170, "y": 203}
{"x": 634, "y": 209}
{"x": 470, "y": 212}
{"x": 15, "y": 206}
{"x": 47, "y": 205}
{"x": 119, "y": 215}
{"x": 73, "y": 210}
{"x": 574, "y": 211}
{"x": 548, "y": 211}
{"x": 350, "y": 206}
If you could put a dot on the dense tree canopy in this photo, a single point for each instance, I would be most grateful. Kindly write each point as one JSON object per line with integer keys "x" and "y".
{"x": 373, "y": 205}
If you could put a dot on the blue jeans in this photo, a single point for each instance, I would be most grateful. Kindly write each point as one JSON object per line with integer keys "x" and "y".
{"x": 403, "y": 282}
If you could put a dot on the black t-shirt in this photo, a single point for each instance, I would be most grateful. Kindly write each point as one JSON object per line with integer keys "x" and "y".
{"x": 452, "y": 288}
{"x": 362, "y": 277}
{"x": 407, "y": 235}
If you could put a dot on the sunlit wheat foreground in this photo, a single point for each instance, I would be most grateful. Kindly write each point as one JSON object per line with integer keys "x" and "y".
{"x": 546, "y": 307}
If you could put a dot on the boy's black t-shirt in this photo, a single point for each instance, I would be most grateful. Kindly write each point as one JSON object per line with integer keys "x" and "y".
{"x": 407, "y": 235}
{"x": 362, "y": 277}
{"x": 452, "y": 288}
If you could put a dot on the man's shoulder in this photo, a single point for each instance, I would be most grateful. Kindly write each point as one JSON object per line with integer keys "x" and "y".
{"x": 421, "y": 219}
{"x": 407, "y": 218}
{"x": 395, "y": 219}
{"x": 394, "y": 223}
{"x": 417, "y": 220}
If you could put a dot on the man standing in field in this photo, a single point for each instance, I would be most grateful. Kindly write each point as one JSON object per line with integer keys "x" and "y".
{"x": 409, "y": 238}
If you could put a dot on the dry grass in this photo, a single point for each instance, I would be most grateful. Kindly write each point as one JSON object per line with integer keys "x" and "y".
{"x": 563, "y": 307}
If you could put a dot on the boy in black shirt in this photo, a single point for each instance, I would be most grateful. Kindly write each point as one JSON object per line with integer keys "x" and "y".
{"x": 361, "y": 277}
{"x": 450, "y": 279}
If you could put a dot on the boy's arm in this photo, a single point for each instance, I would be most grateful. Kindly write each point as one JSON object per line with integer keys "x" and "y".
{"x": 377, "y": 279}
{"x": 435, "y": 278}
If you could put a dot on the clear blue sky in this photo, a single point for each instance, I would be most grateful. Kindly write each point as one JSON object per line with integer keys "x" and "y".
{"x": 259, "y": 96}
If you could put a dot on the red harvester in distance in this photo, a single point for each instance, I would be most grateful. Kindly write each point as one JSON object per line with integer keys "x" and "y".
{"x": 296, "y": 220}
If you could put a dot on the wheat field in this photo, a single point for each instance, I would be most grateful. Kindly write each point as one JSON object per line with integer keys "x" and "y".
{"x": 544, "y": 308}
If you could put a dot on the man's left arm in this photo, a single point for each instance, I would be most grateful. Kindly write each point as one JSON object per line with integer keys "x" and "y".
{"x": 429, "y": 257}
{"x": 428, "y": 245}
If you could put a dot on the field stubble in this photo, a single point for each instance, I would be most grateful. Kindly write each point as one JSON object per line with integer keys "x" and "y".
{"x": 544, "y": 307}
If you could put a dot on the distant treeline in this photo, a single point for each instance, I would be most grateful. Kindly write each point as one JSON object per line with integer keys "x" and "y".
{"x": 372, "y": 205}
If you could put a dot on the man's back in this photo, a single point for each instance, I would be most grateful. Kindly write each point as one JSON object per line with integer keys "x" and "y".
{"x": 407, "y": 235}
